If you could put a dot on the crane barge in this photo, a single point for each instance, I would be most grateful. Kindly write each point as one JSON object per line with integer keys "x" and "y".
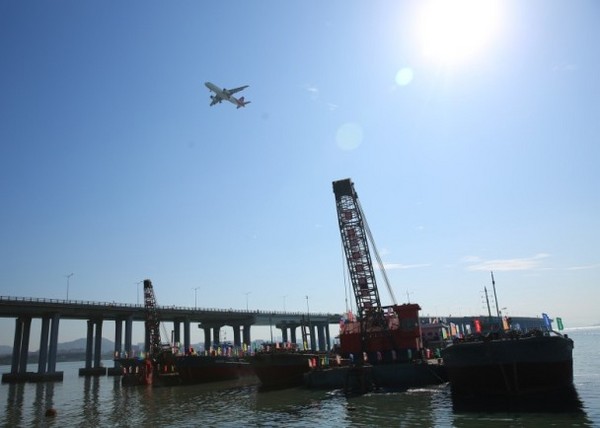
{"x": 163, "y": 364}
{"x": 157, "y": 364}
{"x": 384, "y": 342}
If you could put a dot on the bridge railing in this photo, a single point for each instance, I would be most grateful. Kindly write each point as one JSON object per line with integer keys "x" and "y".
{"x": 113, "y": 304}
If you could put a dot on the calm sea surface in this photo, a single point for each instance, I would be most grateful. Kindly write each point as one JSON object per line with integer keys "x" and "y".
{"x": 91, "y": 402}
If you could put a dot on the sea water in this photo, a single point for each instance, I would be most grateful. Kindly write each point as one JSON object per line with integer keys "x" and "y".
{"x": 103, "y": 402}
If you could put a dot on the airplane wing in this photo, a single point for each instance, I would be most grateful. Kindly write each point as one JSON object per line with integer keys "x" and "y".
{"x": 233, "y": 91}
{"x": 215, "y": 100}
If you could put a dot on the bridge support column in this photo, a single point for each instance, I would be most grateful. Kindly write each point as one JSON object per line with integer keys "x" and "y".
{"x": 293, "y": 333}
{"x": 98, "y": 345}
{"x": 53, "y": 349}
{"x": 89, "y": 340}
{"x": 321, "y": 328}
{"x": 17, "y": 344}
{"x": 115, "y": 370}
{"x": 186, "y": 335}
{"x": 128, "y": 334}
{"x": 313, "y": 337}
{"x": 177, "y": 333}
{"x": 96, "y": 342}
{"x": 206, "y": 338}
{"x": 246, "y": 335}
{"x": 328, "y": 337}
{"x": 237, "y": 340}
{"x": 46, "y": 370}
{"x": 208, "y": 328}
{"x": 216, "y": 335}
{"x": 43, "y": 355}
{"x": 18, "y": 370}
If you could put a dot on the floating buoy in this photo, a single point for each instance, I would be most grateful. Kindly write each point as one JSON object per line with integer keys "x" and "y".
{"x": 50, "y": 412}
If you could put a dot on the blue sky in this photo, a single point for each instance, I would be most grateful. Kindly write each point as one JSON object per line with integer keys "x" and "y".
{"x": 471, "y": 136}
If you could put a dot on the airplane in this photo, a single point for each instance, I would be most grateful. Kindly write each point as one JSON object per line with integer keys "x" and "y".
{"x": 226, "y": 94}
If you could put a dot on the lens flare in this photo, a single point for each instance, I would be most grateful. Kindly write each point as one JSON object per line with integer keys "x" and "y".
{"x": 349, "y": 136}
{"x": 404, "y": 76}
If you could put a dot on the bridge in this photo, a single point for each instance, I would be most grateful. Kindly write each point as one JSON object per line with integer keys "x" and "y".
{"x": 51, "y": 311}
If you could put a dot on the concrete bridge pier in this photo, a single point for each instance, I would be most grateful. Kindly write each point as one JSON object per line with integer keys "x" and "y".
{"x": 18, "y": 368}
{"x": 47, "y": 354}
{"x": 323, "y": 337}
{"x": 246, "y": 335}
{"x": 115, "y": 370}
{"x": 320, "y": 338}
{"x": 216, "y": 331}
{"x": 119, "y": 351}
{"x": 186, "y": 334}
{"x": 288, "y": 331}
{"x": 46, "y": 370}
{"x": 95, "y": 341}
{"x": 237, "y": 335}
{"x": 176, "y": 333}
{"x": 293, "y": 329}
{"x": 128, "y": 336}
{"x": 313, "y": 336}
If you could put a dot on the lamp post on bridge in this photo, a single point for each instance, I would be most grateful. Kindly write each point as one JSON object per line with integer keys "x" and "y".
{"x": 137, "y": 291}
{"x": 68, "y": 278}
{"x": 248, "y": 292}
{"x": 196, "y": 297}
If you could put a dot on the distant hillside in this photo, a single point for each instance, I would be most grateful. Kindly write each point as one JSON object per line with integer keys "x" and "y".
{"x": 80, "y": 345}
{"x": 5, "y": 350}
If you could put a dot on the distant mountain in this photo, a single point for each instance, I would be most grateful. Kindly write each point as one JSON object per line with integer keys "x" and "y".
{"x": 5, "y": 350}
{"x": 80, "y": 345}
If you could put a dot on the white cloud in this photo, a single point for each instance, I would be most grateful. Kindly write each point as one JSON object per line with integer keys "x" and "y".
{"x": 400, "y": 266}
{"x": 313, "y": 91}
{"x": 584, "y": 267}
{"x": 526, "y": 263}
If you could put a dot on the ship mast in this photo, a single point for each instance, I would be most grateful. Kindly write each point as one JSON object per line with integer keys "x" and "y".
{"x": 495, "y": 296}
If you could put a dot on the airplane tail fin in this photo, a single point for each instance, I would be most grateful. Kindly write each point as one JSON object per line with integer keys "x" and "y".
{"x": 242, "y": 102}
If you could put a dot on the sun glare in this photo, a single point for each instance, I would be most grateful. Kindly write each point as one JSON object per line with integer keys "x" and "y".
{"x": 452, "y": 31}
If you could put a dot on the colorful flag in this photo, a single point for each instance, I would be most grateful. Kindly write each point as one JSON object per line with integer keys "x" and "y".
{"x": 547, "y": 321}
{"x": 559, "y": 323}
{"x": 477, "y": 326}
{"x": 453, "y": 329}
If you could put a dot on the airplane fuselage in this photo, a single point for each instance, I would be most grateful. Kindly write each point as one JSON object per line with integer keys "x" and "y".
{"x": 224, "y": 94}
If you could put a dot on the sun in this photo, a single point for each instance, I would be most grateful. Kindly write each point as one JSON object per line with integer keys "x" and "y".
{"x": 453, "y": 31}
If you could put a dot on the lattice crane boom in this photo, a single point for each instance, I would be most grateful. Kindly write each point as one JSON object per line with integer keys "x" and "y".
{"x": 152, "y": 323}
{"x": 354, "y": 236}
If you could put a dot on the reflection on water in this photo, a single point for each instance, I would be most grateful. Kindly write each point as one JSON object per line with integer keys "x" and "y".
{"x": 563, "y": 401}
{"x": 102, "y": 401}
{"x": 14, "y": 404}
{"x": 91, "y": 392}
